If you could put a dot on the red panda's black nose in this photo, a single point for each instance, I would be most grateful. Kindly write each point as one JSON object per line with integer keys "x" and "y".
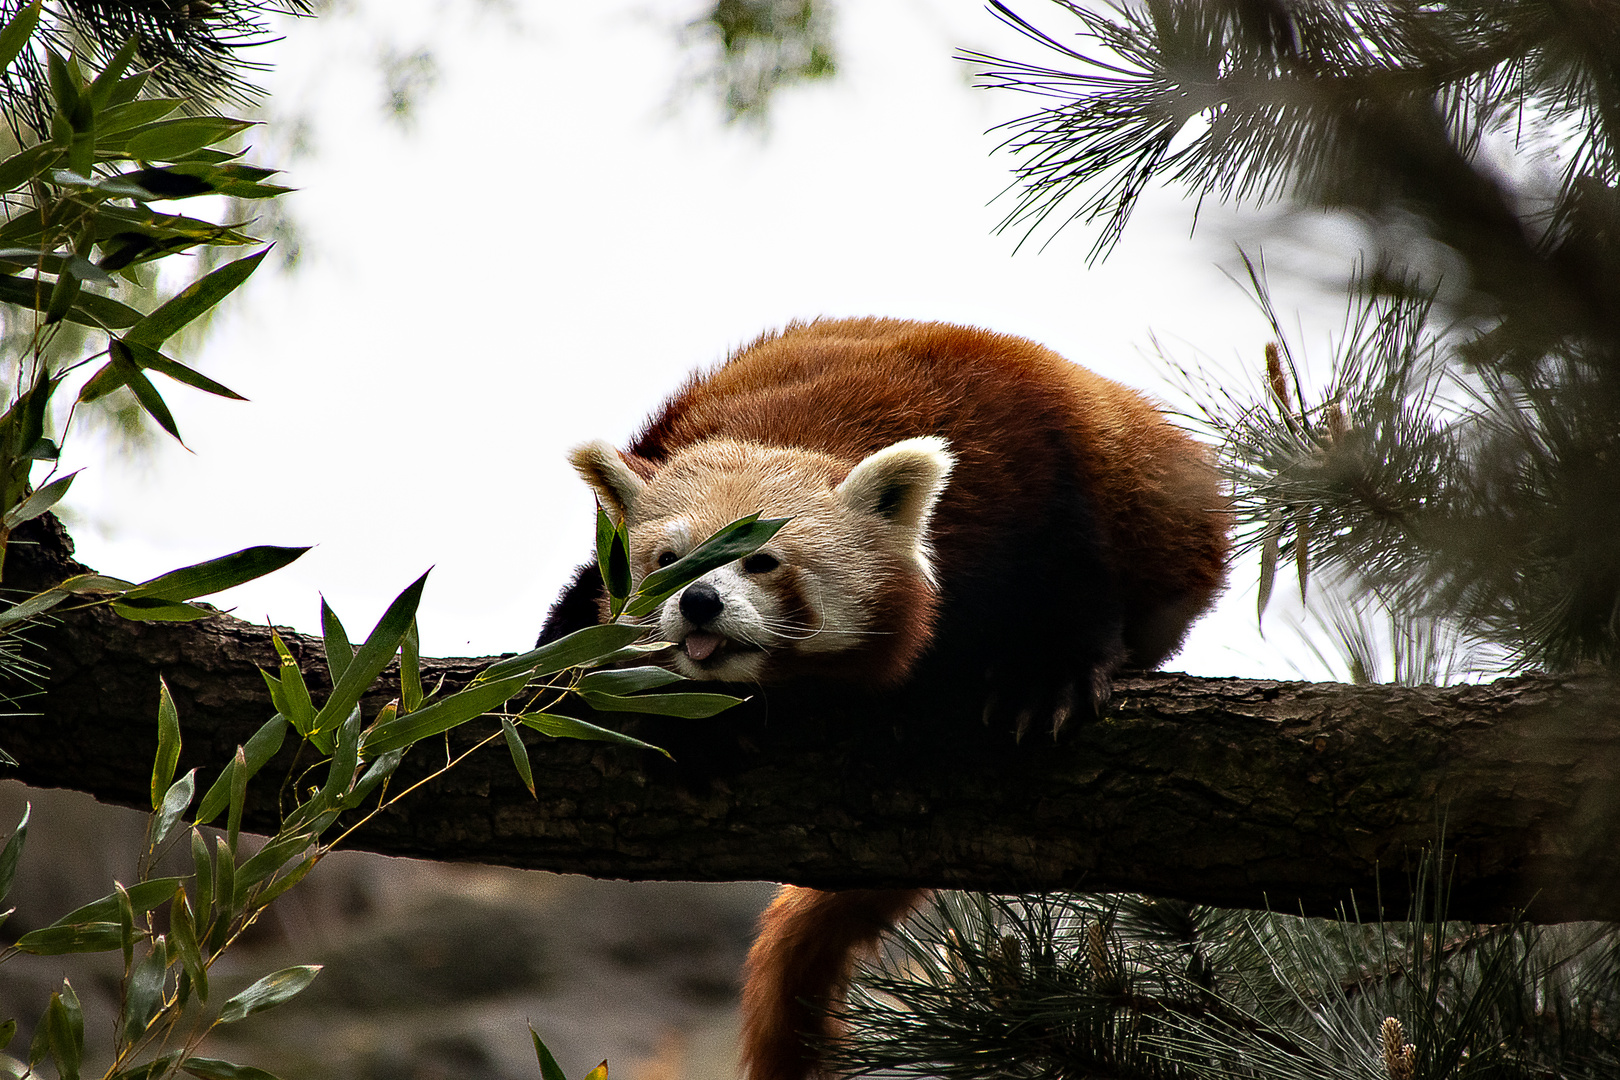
{"x": 700, "y": 602}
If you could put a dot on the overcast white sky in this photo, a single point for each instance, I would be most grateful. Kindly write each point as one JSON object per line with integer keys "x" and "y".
{"x": 551, "y": 246}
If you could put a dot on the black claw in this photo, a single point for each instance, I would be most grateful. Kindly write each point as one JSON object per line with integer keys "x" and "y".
{"x": 1065, "y": 708}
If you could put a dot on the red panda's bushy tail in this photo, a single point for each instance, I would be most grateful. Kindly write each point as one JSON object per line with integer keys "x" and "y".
{"x": 799, "y": 967}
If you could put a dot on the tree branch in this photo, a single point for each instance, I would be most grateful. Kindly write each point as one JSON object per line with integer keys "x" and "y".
{"x": 1235, "y": 792}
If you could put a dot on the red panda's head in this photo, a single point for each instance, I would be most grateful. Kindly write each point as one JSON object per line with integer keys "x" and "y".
{"x": 845, "y": 589}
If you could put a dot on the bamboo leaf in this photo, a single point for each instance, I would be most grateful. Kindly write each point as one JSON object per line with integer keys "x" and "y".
{"x": 40, "y": 501}
{"x": 194, "y": 299}
{"x": 183, "y": 933}
{"x": 339, "y": 653}
{"x": 694, "y": 706}
{"x": 580, "y": 647}
{"x": 80, "y": 937}
{"x": 742, "y": 537}
{"x": 269, "y": 992}
{"x": 34, "y": 605}
{"x": 144, "y": 996}
{"x": 373, "y": 656}
{"x": 64, "y": 1020}
{"x": 149, "y": 610}
{"x": 629, "y": 680}
{"x": 260, "y": 748}
{"x": 150, "y": 359}
{"x": 215, "y": 1069}
{"x": 567, "y": 727}
{"x": 175, "y": 801}
{"x": 168, "y": 748}
{"x": 549, "y": 1069}
{"x": 442, "y": 715}
{"x": 14, "y": 36}
{"x": 13, "y": 852}
{"x": 520, "y": 754}
{"x": 215, "y": 575}
{"x": 143, "y": 896}
{"x": 171, "y": 140}
{"x": 410, "y": 670}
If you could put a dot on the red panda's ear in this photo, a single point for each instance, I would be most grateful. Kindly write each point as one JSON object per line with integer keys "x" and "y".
{"x": 617, "y": 487}
{"x": 901, "y": 483}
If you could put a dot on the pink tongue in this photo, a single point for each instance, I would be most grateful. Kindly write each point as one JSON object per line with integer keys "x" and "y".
{"x": 700, "y": 644}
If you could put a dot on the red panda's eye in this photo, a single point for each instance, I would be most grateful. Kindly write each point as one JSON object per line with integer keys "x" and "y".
{"x": 759, "y": 563}
{"x": 666, "y": 558}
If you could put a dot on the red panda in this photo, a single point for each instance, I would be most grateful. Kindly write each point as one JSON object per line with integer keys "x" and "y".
{"x": 971, "y": 514}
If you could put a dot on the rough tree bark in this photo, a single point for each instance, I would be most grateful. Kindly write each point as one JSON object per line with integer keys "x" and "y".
{"x": 1236, "y": 792}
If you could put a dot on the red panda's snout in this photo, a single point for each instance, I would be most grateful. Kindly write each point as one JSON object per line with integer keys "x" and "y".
{"x": 714, "y": 638}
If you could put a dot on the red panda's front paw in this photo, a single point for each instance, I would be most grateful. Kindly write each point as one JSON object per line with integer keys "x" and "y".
{"x": 1032, "y": 704}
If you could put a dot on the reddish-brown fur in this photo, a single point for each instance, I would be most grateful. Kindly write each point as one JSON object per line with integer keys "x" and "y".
{"x": 1042, "y": 446}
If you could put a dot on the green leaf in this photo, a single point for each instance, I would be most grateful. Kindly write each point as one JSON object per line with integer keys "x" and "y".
{"x": 410, "y": 670}
{"x": 566, "y": 727}
{"x": 193, "y": 300}
{"x": 63, "y": 293}
{"x": 224, "y": 892}
{"x": 101, "y": 88}
{"x": 268, "y": 992}
{"x": 23, "y": 166}
{"x": 143, "y": 896}
{"x": 270, "y": 858}
{"x": 156, "y": 1069}
{"x": 258, "y": 750}
{"x": 693, "y": 706}
{"x": 170, "y": 140}
{"x": 339, "y": 653}
{"x": 88, "y": 308}
{"x": 78, "y": 938}
{"x": 40, "y": 501}
{"x": 373, "y": 656}
{"x": 103, "y": 312}
{"x": 66, "y": 1021}
{"x": 144, "y": 996}
{"x": 34, "y": 605}
{"x": 119, "y": 119}
{"x": 215, "y": 575}
{"x": 549, "y": 1069}
{"x": 175, "y": 801}
{"x": 150, "y": 359}
{"x": 168, "y": 748}
{"x": 8, "y": 1031}
{"x": 742, "y": 537}
{"x": 64, "y": 87}
{"x": 380, "y": 770}
{"x": 149, "y": 610}
{"x": 126, "y": 924}
{"x": 148, "y": 398}
{"x": 215, "y": 1069}
{"x": 598, "y": 1073}
{"x": 294, "y": 700}
{"x": 285, "y": 882}
{"x": 13, "y": 851}
{"x": 580, "y": 647}
{"x": 340, "y": 776}
{"x": 629, "y": 680}
{"x": 613, "y": 555}
{"x": 442, "y": 715}
{"x": 203, "y": 865}
{"x": 183, "y": 933}
{"x": 14, "y": 36}
{"x": 238, "y": 798}
{"x": 520, "y": 754}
